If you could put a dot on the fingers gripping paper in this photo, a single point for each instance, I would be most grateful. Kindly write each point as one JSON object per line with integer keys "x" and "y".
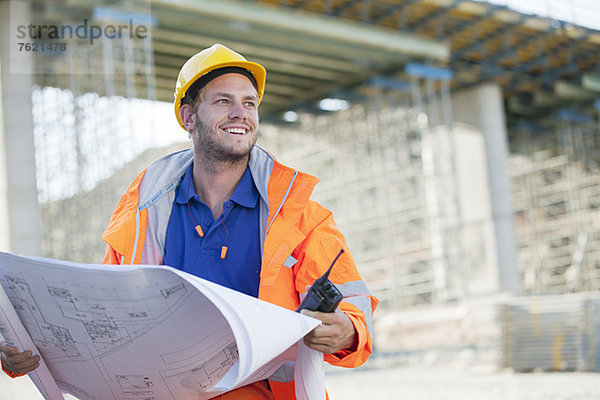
{"x": 139, "y": 332}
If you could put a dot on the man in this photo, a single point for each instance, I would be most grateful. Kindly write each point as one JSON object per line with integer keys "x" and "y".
{"x": 228, "y": 212}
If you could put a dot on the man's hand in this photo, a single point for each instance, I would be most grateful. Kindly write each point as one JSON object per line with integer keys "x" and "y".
{"x": 337, "y": 332}
{"x": 16, "y": 362}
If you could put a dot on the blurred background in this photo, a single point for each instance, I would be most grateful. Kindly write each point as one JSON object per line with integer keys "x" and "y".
{"x": 457, "y": 143}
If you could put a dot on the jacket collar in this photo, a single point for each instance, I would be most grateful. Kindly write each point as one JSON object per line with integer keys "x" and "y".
{"x": 275, "y": 182}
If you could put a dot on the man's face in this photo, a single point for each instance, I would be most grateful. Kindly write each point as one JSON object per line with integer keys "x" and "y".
{"x": 226, "y": 118}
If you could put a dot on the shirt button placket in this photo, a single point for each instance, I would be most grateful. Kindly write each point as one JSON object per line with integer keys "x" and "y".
{"x": 227, "y": 210}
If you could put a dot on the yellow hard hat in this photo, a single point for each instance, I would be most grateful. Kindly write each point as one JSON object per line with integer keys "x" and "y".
{"x": 215, "y": 57}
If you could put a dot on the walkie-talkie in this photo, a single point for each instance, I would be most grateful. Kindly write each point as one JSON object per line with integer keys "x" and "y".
{"x": 323, "y": 295}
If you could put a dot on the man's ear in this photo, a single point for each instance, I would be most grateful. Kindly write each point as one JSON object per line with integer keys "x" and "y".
{"x": 188, "y": 117}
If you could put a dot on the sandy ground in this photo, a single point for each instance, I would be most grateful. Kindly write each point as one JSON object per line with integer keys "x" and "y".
{"x": 420, "y": 383}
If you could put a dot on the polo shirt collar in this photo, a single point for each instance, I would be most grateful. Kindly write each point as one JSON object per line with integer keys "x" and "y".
{"x": 245, "y": 194}
{"x": 185, "y": 192}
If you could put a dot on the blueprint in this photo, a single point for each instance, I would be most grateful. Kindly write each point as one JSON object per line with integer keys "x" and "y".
{"x": 141, "y": 332}
{"x": 13, "y": 333}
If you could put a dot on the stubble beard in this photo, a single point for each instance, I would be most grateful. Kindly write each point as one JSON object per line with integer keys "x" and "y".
{"x": 214, "y": 155}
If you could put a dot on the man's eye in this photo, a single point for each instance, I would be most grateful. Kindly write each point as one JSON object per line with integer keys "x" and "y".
{"x": 222, "y": 101}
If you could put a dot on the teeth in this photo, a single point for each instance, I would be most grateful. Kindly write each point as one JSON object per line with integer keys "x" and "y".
{"x": 239, "y": 131}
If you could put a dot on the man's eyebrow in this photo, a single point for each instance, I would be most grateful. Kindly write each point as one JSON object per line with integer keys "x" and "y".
{"x": 230, "y": 96}
{"x": 223, "y": 94}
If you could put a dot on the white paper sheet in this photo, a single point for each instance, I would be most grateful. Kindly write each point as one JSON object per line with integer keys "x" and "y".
{"x": 309, "y": 374}
{"x": 14, "y": 334}
{"x": 146, "y": 332}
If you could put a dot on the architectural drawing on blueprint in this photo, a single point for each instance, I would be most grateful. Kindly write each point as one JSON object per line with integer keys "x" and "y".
{"x": 142, "y": 332}
{"x": 98, "y": 321}
{"x": 207, "y": 373}
{"x": 109, "y": 321}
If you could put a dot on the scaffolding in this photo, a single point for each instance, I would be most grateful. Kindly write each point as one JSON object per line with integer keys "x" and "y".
{"x": 387, "y": 168}
{"x": 555, "y": 174}
{"x": 387, "y": 172}
{"x": 85, "y": 133}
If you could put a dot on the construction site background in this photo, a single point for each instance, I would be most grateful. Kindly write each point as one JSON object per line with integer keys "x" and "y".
{"x": 409, "y": 189}
{"x": 408, "y": 184}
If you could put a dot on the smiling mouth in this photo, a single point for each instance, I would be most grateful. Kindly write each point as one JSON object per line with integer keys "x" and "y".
{"x": 236, "y": 131}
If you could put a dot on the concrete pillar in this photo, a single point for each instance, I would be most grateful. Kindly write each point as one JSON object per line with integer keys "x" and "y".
{"x": 20, "y": 230}
{"x": 482, "y": 109}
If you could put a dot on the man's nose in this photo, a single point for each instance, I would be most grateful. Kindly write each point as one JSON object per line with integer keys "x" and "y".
{"x": 237, "y": 111}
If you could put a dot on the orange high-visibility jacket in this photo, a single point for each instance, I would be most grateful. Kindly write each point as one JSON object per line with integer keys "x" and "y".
{"x": 299, "y": 240}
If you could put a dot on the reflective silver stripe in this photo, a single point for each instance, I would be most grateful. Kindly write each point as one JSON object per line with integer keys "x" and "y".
{"x": 285, "y": 373}
{"x": 356, "y": 293}
{"x": 290, "y": 262}
{"x": 287, "y": 192}
{"x": 163, "y": 175}
{"x": 263, "y": 217}
{"x": 157, "y": 220}
{"x": 137, "y": 235}
{"x": 363, "y": 303}
{"x": 261, "y": 164}
{"x": 354, "y": 288}
{"x": 122, "y": 259}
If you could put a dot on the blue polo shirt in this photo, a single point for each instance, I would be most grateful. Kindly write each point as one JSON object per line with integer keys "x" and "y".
{"x": 237, "y": 228}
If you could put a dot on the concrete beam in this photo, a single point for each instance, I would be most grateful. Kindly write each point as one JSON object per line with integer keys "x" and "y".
{"x": 591, "y": 82}
{"x": 570, "y": 91}
{"x": 327, "y": 28}
{"x": 542, "y": 98}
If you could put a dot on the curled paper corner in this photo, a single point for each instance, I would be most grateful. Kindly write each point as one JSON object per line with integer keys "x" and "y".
{"x": 309, "y": 374}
